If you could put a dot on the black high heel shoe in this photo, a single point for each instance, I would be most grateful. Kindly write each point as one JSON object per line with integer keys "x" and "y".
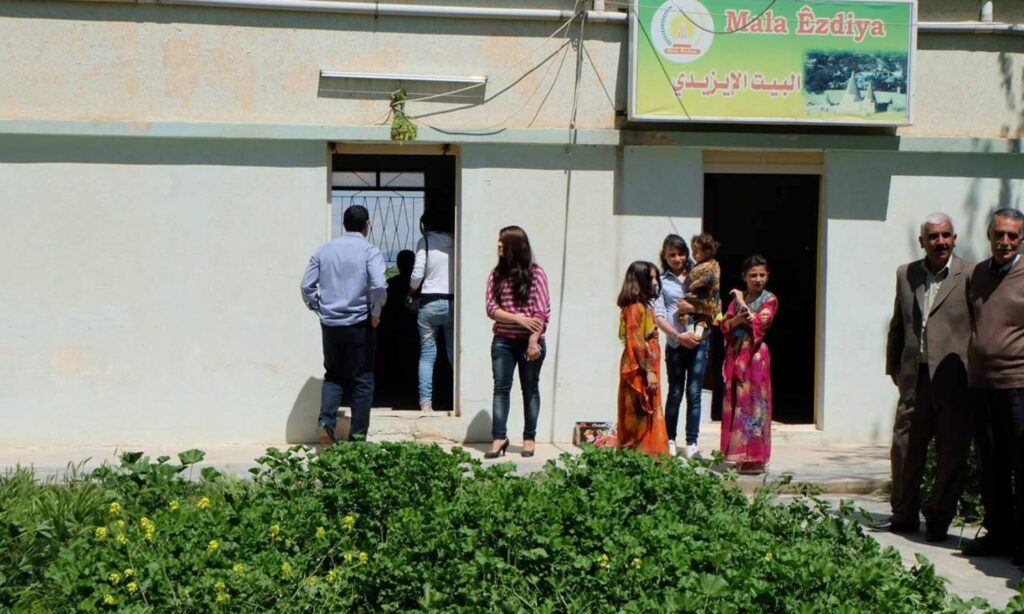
{"x": 529, "y": 453}
{"x": 499, "y": 452}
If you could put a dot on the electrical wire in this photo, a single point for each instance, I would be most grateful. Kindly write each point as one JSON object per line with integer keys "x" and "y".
{"x": 498, "y": 127}
{"x": 578, "y": 77}
{"x": 522, "y": 59}
{"x": 771, "y": 3}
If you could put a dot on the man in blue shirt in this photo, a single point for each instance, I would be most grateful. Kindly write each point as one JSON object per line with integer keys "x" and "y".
{"x": 344, "y": 284}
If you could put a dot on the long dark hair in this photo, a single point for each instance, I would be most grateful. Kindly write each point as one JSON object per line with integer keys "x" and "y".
{"x": 674, "y": 241}
{"x": 637, "y": 286}
{"x": 514, "y": 264}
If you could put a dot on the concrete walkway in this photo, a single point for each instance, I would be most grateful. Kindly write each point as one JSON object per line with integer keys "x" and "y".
{"x": 838, "y": 470}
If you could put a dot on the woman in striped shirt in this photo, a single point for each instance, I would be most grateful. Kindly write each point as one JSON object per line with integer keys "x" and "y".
{"x": 518, "y": 302}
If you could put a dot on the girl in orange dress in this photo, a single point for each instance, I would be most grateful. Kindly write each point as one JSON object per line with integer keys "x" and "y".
{"x": 641, "y": 422}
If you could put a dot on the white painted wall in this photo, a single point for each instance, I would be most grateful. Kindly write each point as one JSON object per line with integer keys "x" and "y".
{"x": 585, "y": 254}
{"x": 874, "y": 203}
{"x": 150, "y": 290}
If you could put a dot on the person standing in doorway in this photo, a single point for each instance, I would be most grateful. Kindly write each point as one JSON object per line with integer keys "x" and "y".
{"x": 518, "y": 302}
{"x": 344, "y": 285}
{"x": 641, "y": 421}
{"x": 995, "y": 371}
{"x": 686, "y": 353}
{"x": 434, "y": 274}
{"x": 926, "y": 357}
{"x": 747, "y": 406}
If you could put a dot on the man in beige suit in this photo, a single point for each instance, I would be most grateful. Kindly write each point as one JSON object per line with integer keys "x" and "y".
{"x": 926, "y": 357}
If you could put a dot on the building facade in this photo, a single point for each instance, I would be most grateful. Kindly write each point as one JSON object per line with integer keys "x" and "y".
{"x": 167, "y": 168}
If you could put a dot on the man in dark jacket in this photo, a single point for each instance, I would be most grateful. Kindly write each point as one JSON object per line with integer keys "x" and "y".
{"x": 926, "y": 356}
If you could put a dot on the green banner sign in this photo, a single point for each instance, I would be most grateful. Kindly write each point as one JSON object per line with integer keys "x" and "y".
{"x": 772, "y": 61}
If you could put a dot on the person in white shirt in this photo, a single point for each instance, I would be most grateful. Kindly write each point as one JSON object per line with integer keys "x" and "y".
{"x": 433, "y": 274}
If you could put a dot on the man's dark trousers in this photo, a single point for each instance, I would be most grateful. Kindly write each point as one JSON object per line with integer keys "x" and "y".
{"x": 348, "y": 367}
{"x": 917, "y": 420}
{"x": 999, "y": 443}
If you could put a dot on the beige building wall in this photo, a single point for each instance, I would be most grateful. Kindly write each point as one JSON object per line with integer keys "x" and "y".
{"x": 150, "y": 290}
{"x": 115, "y": 61}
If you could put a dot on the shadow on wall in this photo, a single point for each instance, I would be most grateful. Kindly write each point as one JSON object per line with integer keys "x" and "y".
{"x": 302, "y": 419}
{"x": 301, "y": 426}
{"x": 857, "y": 185}
{"x": 478, "y": 430}
{"x": 659, "y": 181}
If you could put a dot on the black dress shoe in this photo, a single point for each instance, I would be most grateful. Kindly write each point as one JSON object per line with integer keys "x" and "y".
{"x": 897, "y": 526}
{"x": 989, "y": 545}
{"x": 936, "y": 534}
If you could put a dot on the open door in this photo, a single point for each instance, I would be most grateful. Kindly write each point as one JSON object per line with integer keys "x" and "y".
{"x": 775, "y": 216}
{"x": 397, "y": 190}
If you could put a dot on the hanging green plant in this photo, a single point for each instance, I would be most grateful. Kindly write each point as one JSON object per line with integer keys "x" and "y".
{"x": 402, "y": 128}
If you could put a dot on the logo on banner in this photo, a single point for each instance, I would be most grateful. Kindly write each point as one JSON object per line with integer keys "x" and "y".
{"x": 682, "y": 30}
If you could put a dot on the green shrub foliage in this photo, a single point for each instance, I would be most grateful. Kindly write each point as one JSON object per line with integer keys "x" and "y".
{"x": 405, "y": 527}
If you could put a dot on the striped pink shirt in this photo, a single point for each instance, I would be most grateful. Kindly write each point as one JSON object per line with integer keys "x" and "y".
{"x": 539, "y": 305}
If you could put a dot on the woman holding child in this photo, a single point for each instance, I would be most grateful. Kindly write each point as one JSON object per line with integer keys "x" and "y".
{"x": 686, "y": 350}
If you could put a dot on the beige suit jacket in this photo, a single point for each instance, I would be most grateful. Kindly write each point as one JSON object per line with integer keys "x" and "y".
{"x": 949, "y": 329}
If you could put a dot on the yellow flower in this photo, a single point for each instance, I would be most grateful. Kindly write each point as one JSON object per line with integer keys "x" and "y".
{"x": 131, "y": 587}
{"x": 311, "y": 581}
{"x": 120, "y": 524}
{"x": 223, "y": 597}
{"x": 636, "y": 562}
{"x": 239, "y": 569}
{"x": 275, "y": 530}
{"x": 148, "y": 528}
{"x": 363, "y": 558}
{"x": 173, "y": 505}
{"x": 332, "y": 576}
{"x": 115, "y": 508}
{"x": 203, "y": 503}
{"x": 122, "y": 538}
{"x": 212, "y": 546}
{"x": 349, "y": 556}
{"x": 101, "y": 532}
{"x": 114, "y": 578}
{"x": 603, "y": 561}
{"x": 129, "y": 572}
{"x": 286, "y": 569}
{"x": 109, "y": 599}
{"x": 321, "y": 532}
{"x": 348, "y": 522}
{"x": 768, "y": 557}
{"x": 219, "y": 585}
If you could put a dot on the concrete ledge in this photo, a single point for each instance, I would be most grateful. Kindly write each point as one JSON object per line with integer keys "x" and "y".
{"x": 677, "y": 136}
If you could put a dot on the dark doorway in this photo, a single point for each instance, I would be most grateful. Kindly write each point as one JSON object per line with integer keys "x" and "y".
{"x": 775, "y": 216}
{"x": 397, "y": 190}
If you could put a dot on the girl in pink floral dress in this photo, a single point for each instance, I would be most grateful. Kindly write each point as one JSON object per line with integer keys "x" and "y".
{"x": 747, "y": 407}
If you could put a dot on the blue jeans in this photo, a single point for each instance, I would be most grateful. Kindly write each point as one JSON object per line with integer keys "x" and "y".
{"x": 686, "y": 369}
{"x": 432, "y": 317}
{"x": 506, "y": 354}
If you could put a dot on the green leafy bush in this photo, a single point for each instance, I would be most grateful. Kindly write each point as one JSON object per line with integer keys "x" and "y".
{"x": 406, "y": 527}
